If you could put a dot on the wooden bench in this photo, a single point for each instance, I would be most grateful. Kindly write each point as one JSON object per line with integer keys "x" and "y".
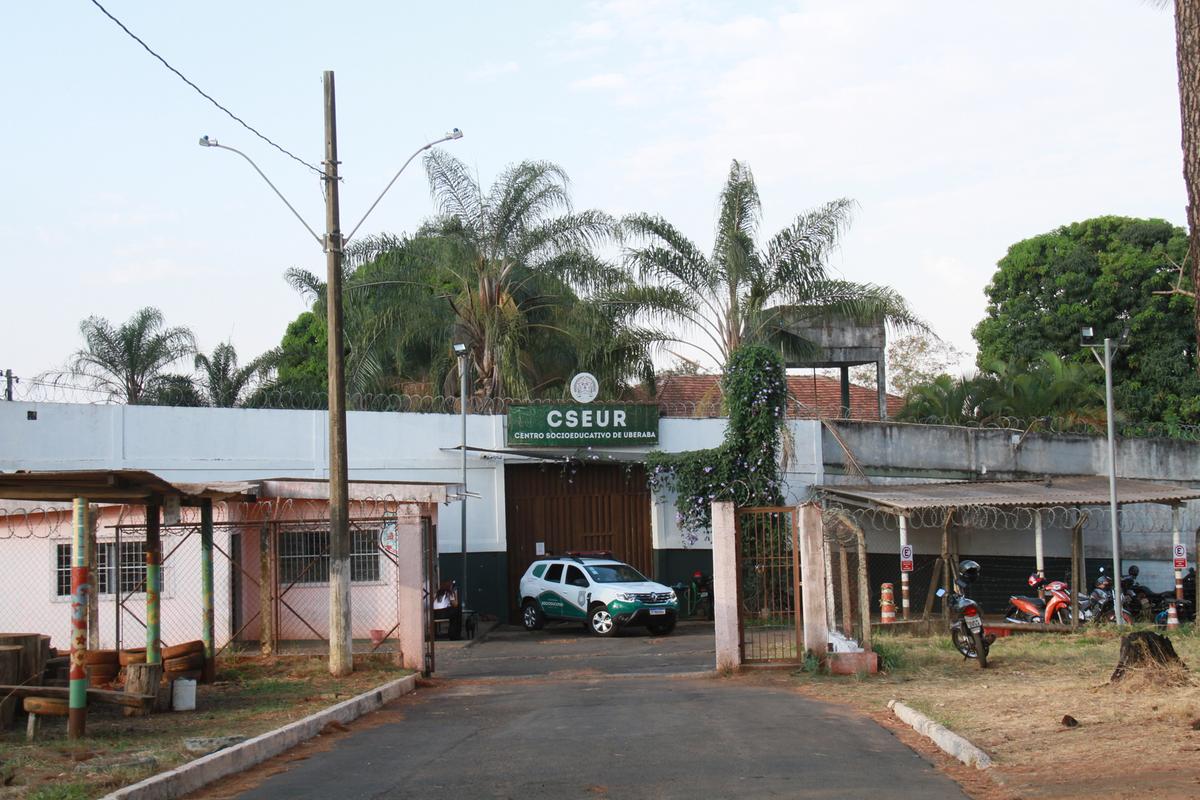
{"x": 38, "y": 707}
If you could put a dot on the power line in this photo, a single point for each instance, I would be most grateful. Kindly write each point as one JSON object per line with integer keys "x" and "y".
{"x": 205, "y": 95}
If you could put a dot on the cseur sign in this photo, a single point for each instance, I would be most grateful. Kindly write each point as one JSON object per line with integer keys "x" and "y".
{"x": 567, "y": 425}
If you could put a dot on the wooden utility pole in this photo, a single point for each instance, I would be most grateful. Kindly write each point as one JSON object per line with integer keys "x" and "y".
{"x": 341, "y": 658}
{"x": 1187, "y": 55}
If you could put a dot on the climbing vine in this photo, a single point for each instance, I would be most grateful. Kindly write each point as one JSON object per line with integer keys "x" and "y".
{"x": 745, "y": 468}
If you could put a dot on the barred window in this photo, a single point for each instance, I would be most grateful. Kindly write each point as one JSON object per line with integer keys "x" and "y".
{"x": 132, "y": 568}
{"x": 304, "y": 556}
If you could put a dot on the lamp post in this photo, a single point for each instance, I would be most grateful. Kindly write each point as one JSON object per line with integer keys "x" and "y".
{"x": 341, "y": 660}
{"x": 1088, "y": 337}
{"x": 460, "y": 350}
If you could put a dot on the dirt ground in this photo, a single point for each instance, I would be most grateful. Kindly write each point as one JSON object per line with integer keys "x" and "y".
{"x": 250, "y": 696}
{"x": 1137, "y": 739}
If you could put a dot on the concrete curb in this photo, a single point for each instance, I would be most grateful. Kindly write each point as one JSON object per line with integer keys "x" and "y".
{"x": 191, "y": 776}
{"x": 947, "y": 740}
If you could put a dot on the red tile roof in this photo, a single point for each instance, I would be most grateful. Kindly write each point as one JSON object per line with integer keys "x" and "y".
{"x": 811, "y": 397}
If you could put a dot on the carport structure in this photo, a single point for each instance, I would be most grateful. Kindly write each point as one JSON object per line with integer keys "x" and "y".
{"x": 1023, "y": 502}
{"x": 154, "y": 493}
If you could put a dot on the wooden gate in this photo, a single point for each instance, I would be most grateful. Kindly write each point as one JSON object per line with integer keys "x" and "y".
{"x": 593, "y": 507}
{"x": 768, "y": 581}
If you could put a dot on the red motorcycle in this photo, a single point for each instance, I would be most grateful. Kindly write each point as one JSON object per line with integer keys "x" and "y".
{"x": 1054, "y": 607}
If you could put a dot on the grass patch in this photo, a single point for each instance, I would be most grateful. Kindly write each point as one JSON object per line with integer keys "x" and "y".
{"x": 1141, "y": 737}
{"x": 251, "y": 695}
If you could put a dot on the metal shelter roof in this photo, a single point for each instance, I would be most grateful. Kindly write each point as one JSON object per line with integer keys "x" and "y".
{"x": 1076, "y": 490}
{"x": 137, "y": 487}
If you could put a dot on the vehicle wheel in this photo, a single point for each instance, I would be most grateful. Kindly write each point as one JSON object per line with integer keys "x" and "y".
{"x": 1110, "y": 618}
{"x": 1062, "y": 616}
{"x": 661, "y": 628}
{"x": 962, "y": 641}
{"x": 600, "y": 622}
{"x": 981, "y": 649}
{"x": 532, "y": 617}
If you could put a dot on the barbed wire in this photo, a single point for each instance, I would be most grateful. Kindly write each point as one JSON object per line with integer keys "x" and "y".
{"x": 1139, "y": 518}
{"x": 51, "y": 522}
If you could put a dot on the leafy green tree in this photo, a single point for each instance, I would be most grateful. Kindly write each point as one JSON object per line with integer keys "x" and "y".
{"x": 1114, "y": 274}
{"x": 129, "y": 361}
{"x": 301, "y": 363}
{"x": 174, "y": 390}
{"x": 223, "y": 382}
{"x": 747, "y": 293}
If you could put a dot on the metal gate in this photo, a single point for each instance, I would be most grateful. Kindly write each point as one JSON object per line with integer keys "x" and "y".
{"x": 768, "y": 585}
{"x": 429, "y": 554}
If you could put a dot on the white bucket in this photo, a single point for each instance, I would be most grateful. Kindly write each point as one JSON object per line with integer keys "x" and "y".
{"x": 183, "y": 694}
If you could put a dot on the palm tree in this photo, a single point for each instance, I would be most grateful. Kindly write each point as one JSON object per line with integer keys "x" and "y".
{"x": 223, "y": 382}
{"x": 128, "y": 362}
{"x": 744, "y": 293}
{"x": 513, "y": 252}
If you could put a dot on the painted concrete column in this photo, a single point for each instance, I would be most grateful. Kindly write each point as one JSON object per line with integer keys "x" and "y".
{"x": 81, "y": 591}
{"x": 207, "y": 632}
{"x": 410, "y": 579}
{"x": 1176, "y": 533}
{"x": 1038, "y": 549}
{"x": 725, "y": 599}
{"x": 153, "y": 584}
{"x": 814, "y": 579}
{"x": 904, "y": 575}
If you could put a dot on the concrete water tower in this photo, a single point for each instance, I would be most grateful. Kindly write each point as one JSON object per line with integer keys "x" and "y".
{"x": 844, "y": 343}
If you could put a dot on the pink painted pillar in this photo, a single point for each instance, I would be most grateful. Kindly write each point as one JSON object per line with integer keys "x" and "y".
{"x": 725, "y": 604}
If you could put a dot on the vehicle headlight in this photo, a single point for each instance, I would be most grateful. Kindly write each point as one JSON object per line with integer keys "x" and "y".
{"x": 629, "y": 597}
{"x": 671, "y": 596}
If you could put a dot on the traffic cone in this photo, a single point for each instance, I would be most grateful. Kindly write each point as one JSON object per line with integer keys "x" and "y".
{"x": 887, "y": 604}
{"x": 1172, "y": 617}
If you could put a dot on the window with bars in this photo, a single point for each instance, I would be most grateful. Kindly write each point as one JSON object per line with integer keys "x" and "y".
{"x": 304, "y": 556}
{"x": 131, "y": 568}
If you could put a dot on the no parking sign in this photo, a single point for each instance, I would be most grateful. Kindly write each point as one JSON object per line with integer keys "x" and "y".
{"x": 906, "y": 558}
{"x": 1181, "y": 556}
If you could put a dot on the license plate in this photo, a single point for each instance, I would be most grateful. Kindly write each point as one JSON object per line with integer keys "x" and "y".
{"x": 975, "y": 623}
{"x": 654, "y": 612}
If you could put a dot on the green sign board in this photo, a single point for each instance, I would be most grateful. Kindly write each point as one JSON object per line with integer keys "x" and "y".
{"x": 583, "y": 425}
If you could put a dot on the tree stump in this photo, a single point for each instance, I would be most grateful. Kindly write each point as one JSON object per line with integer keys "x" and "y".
{"x": 32, "y": 662}
{"x": 141, "y": 679}
{"x": 10, "y": 668}
{"x": 1145, "y": 650}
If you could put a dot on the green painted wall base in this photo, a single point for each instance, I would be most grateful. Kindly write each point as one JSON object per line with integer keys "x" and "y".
{"x": 488, "y": 575}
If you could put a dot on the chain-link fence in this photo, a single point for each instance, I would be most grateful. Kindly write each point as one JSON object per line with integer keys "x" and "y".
{"x": 270, "y": 575}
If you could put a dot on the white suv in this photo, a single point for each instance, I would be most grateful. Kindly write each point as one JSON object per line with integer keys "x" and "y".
{"x": 604, "y": 594}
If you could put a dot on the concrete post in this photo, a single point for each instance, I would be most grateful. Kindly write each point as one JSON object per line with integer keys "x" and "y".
{"x": 904, "y": 575}
{"x": 1176, "y": 538}
{"x": 1039, "y": 549}
{"x": 814, "y": 580}
{"x": 410, "y": 578}
{"x": 207, "y": 627}
{"x": 725, "y": 599}
{"x": 81, "y": 592}
{"x": 153, "y": 583}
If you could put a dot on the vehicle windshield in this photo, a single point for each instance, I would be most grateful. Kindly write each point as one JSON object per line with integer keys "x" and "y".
{"x": 614, "y": 573}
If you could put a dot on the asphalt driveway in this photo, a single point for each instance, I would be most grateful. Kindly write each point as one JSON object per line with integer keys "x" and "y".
{"x": 648, "y": 737}
{"x": 565, "y": 651}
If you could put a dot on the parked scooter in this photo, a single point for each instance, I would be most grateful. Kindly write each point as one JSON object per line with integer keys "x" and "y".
{"x": 967, "y": 629}
{"x": 1054, "y": 607}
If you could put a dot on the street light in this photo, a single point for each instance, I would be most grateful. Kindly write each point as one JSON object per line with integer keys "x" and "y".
{"x": 1088, "y": 340}
{"x": 333, "y": 244}
{"x": 460, "y": 350}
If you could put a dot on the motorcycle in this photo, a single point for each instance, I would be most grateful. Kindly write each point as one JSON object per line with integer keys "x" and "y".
{"x": 967, "y": 629}
{"x": 1054, "y": 607}
{"x": 1185, "y": 609}
{"x": 1100, "y": 606}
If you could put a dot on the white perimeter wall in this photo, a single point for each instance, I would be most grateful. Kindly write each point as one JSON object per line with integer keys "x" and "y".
{"x": 209, "y": 444}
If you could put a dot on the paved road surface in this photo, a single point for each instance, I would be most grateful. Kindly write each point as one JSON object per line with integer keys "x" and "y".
{"x": 617, "y": 738}
{"x": 559, "y": 714}
{"x": 562, "y": 650}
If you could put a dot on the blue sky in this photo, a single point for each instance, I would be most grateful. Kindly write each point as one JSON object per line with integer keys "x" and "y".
{"x": 958, "y": 129}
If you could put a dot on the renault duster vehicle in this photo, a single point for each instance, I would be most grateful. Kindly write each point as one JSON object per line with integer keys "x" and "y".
{"x": 602, "y": 593}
